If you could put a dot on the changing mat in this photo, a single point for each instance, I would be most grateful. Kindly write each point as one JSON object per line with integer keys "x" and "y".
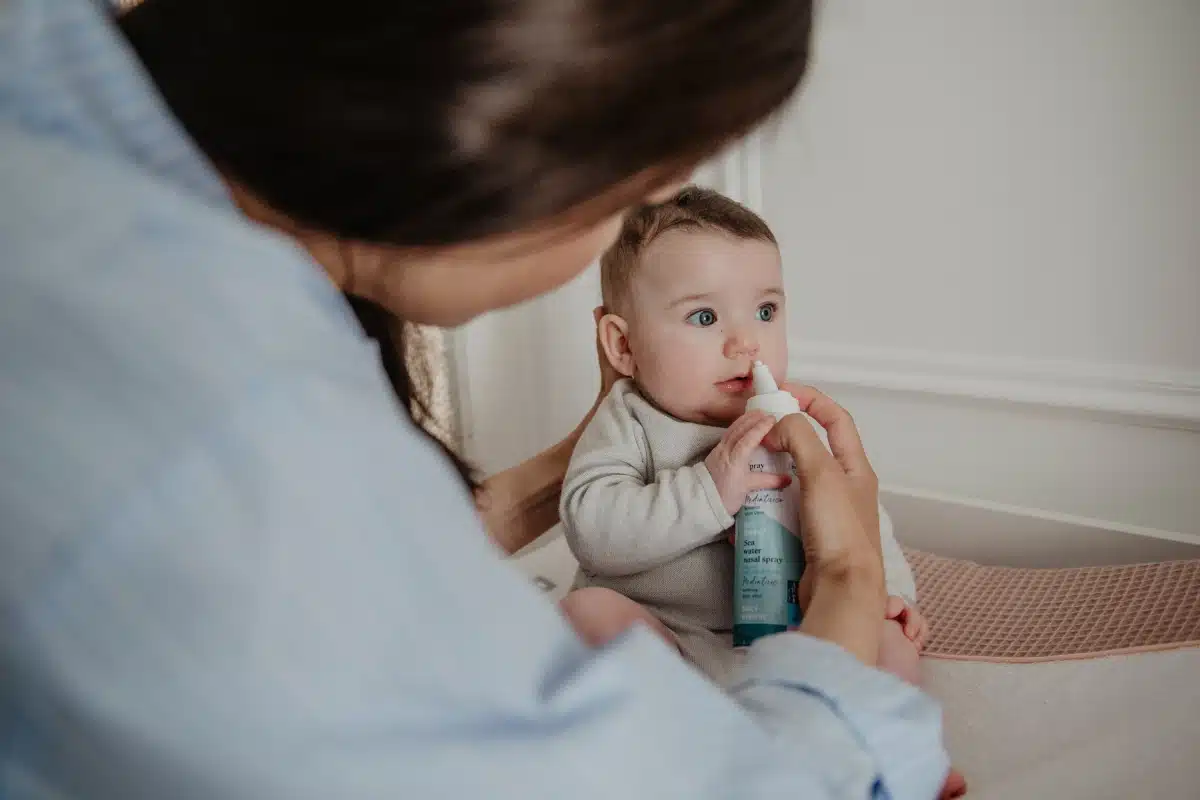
{"x": 1056, "y": 683}
{"x": 1067, "y": 683}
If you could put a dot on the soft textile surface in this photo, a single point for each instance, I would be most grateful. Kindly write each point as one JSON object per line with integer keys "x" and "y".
{"x": 1062, "y": 683}
{"x": 1017, "y": 614}
{"x": 1067, "y": 683}
{"x": 1111, "y": 728}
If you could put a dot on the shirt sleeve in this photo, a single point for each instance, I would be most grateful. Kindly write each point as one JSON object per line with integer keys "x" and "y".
{"x": 300, "y": 603}
{"x": 619, "y": 520}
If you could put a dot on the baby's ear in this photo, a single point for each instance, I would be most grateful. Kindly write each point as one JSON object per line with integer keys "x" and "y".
{"x": 614, "y": 339}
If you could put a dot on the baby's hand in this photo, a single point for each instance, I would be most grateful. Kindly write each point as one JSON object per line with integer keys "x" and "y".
{"x": 911, "y": 620}
{"x": 729, "y": 461}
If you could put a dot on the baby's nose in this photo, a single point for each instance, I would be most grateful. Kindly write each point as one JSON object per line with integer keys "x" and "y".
{"x": 741, "y": 346}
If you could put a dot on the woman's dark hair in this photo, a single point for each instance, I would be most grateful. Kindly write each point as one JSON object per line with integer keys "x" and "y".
{"x": 424, "y": 123}
{"x": 379, "y": 324}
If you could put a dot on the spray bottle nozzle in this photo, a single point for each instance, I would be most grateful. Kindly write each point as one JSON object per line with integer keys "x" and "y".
{"x": 764, "y": 381}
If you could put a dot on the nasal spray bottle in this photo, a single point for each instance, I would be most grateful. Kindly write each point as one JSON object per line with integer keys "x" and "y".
{"x": 769, "y": 558}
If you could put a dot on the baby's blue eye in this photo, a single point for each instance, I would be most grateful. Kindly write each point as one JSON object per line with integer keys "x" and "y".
{"x": 766, "y": 312}
{"x": 704, "y": 317}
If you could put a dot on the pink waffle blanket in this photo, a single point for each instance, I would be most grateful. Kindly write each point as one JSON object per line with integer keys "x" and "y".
{"x": 1028, "y": 615}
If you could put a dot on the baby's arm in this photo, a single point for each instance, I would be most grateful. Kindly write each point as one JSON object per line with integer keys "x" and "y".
{"x": 619, "y": 520}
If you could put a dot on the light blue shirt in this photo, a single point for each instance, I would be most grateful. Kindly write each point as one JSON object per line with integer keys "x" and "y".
{"x": 229, "y": 568}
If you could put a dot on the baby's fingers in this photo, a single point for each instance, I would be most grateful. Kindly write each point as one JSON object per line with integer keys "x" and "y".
{"x": 915, "y": 627}
{"x": 922, "y": 634}
{"x": 766, "y": 480}
{"x": 737, "y": 430}
{"x": 752, "y": 437}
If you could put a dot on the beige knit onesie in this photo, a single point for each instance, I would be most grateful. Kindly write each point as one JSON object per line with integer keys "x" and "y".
{"x": 643, "y": 517}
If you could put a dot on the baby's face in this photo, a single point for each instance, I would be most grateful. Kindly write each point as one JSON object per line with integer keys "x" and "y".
{"x": 705, "y": 306}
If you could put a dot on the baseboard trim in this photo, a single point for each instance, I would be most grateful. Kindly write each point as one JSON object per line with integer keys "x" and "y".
{"x": 1054, "y": 517}
{"x": 998, "y": 533}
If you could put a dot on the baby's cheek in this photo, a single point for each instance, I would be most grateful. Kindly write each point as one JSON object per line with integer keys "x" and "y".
{"x": 657, "y": 377}
{"x": 671, "y": 371}
{"x": 776, "y": 358}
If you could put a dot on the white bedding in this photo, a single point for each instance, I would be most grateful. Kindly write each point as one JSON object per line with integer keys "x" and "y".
{"x": 1113, "y": 727}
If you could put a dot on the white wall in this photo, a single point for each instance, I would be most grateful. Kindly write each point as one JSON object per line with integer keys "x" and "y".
{"x": 1022, "y": 173}
{"x": 990, "y": 216}
{"x": 527, "y": 375}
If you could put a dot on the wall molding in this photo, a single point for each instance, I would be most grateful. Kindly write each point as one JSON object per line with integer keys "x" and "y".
{"x": 1040, "y": 514}
{"x": 737, "y": 173}
{"x": 1140, "y": 396}
{"x": 999, "y": 533}
{"x": 1135, "y": 395}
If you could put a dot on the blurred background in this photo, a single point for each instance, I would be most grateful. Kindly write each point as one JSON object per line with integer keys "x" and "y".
{"x": 990, "y": 221}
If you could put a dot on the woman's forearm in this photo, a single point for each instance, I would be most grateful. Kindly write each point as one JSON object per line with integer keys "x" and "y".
{"x": 521, "y": 503}
{"x": 847, "y": 606}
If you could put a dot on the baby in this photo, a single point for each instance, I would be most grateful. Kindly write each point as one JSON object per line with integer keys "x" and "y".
{"x": 694, "y": 294}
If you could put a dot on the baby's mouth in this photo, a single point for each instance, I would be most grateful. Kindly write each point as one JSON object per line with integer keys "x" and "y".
{"x": 739, "y": 385}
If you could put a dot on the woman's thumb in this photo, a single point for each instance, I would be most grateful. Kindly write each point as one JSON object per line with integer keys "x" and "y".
{"x": 795, "y": 436}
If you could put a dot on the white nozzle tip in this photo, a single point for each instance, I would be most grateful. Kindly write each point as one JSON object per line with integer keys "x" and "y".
{"x": 764, "y": 382}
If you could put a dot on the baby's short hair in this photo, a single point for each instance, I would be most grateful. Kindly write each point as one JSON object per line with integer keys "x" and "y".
{"x": 692, "y": 207}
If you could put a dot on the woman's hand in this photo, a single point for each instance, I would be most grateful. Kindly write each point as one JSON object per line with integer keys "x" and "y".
{"x": 843, "y": 465}
{"x": 839, "y": 524}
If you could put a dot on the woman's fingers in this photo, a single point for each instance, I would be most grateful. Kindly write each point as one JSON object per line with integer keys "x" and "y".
{"x": 844, "y": 439}
{"x": 837, "y": 507}
{"x": 830, "y": 521}
{"x": 847, "y": 449}
{"x": 803, "y": 393}
{"x": 795, "y": 436}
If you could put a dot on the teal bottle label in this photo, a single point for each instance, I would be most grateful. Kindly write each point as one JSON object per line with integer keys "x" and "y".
{"x": 768, "y": 563}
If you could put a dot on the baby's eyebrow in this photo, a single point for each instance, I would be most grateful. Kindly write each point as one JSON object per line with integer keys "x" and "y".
{"x": 691, "y": 298}
{"x": 774, "y": 291}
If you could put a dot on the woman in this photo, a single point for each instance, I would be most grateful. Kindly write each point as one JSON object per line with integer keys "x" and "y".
{"x": 227, "y": 567}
